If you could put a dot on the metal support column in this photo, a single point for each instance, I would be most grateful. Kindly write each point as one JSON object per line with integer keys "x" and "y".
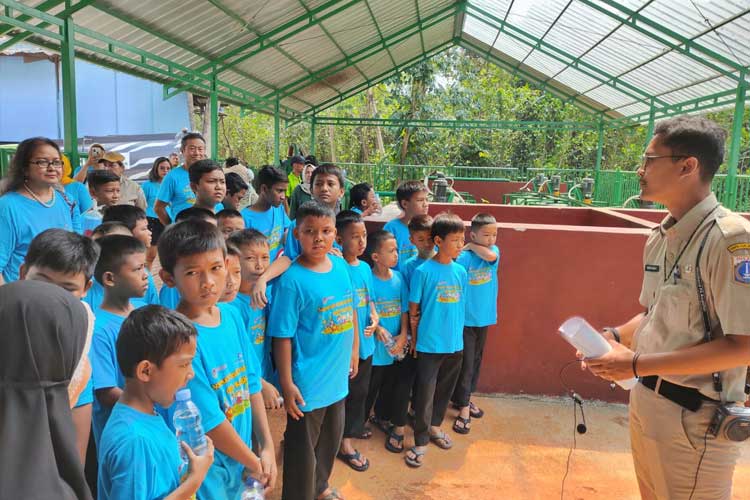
{"x": 650, "y": 129}
{"x": 312, "y": 135}
{"x": 68, "y": 70}
{"x": 276, "y": 133}
{"x": 214, "y": 105}
{"x": 730, "y": 186}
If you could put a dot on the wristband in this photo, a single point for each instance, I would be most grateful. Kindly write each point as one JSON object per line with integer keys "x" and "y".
{"x": 615, "y": 333}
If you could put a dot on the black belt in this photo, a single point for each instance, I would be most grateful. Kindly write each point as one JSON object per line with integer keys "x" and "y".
{"x": 687, "y": 397}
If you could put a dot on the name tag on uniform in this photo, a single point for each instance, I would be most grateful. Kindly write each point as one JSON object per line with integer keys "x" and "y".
{"x": 652, "y": 268}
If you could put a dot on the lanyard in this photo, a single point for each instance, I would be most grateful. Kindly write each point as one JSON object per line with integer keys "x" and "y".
{"x": 704, "y": 305}
{"x": 687, "y": 244}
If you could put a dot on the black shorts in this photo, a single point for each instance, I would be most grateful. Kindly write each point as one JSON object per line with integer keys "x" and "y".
{"x": 156, "y": 228}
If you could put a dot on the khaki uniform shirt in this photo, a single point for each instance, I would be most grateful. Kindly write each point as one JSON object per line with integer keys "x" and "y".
{"x": 670, "y": 295}
{"x": 131, "y": 194}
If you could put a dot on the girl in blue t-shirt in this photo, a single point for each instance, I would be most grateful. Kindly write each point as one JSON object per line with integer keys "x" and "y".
{"x": 31, "y": 202}
{"x": 159, "y": 170}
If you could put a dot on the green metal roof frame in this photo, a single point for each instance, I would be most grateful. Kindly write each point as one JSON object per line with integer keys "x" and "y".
{"x": 43, "y": 24}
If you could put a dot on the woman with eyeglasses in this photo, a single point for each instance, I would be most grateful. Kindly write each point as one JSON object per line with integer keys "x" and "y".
{"x": 31, "y": 202}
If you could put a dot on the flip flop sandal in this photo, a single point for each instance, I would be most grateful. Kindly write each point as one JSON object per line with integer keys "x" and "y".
{"x": 464, "y": 427}
{"x": 390, "y": 446}
{"x": 415, "y": 462}
{"x": 383, "y": 425}
{"x": 349, "y": 460}
{"x": 332, "y": 495}
{"x": 442, "y": 441}
{"x": 475, "y": 411}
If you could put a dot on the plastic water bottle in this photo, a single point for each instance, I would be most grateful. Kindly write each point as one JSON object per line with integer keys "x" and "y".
{"x": 390, "y": 344}
{"x": 187, "y": 424}
{"x": 253, "y": 490}
{"x": 379, "y": 204}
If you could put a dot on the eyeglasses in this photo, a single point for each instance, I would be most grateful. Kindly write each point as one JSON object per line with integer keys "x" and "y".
{"x": 44, "y": 163}
{"x": 647, "y": 158}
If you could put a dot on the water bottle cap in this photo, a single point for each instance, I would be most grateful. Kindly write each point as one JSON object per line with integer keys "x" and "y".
{"x": 182, "y": 395}
{"x": 250, "y": 481}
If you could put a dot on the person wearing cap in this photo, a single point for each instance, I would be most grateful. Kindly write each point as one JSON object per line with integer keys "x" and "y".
{"x": 130, "y": 191}
{"x": 690, "y": 346}
{"x": 175, "y": 191}
{"x": 295, "y": 176}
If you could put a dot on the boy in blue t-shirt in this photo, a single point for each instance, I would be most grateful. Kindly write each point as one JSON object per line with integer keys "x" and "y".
{"x": 208, "y": 182}
{"x": 139, "y": 456}
{"x": 226, "y": 387}
{"x": 420, "y": 234}
{"x": 104, "y": 187}
{"x": 175, "y": 191}
{"x": 352, "y": 236}
{"x": 412, "y": 199}
{"x": 229, "y": 221}
{"x": 121, "y": 269}
{"x": 254, "y": 259}
{"x": 391, "y": 296}
{"x": 480, "y": 258}
{"x": 316, "y": 349}
{"x": 363, "y": 199}
{"x": 267, "y": 215}
{"x": 437, "y": 304}
{"x": 67, "y": 259}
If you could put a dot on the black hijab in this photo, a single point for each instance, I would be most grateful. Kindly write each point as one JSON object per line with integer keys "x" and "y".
{"x": 42, "y": 335}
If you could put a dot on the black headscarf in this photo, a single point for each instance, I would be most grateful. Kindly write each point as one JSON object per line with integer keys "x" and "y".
{"x": 42, "y": 335}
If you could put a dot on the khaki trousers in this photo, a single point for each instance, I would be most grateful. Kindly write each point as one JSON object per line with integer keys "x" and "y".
{"x": 668, "y": 441}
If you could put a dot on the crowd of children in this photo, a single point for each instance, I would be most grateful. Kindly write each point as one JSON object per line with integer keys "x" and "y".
{"x": 343, "y": 328}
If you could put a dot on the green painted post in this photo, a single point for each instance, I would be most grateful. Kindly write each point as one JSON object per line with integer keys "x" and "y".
{"x": 599, "y": 151}
{"x": 214, "y": 120}
{"x": 312, "y": 135}
{"x": 650, "y": 129}
{"x": 276, "y": 133}
{"x": 68, "y": 70}
{"x": 730, "y": 187}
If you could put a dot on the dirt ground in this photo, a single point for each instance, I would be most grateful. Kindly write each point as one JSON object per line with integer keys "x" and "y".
{"x": 518, "y": 450}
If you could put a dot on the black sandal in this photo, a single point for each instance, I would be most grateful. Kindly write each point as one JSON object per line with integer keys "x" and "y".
{"x": 475, "y": 411}
{"x": 417, "y": 460}
{"x": 349, "y": 460}
{"x": 441, "y": 440}
{"x": 398, "y": 438}
{"x": 383, "y": 425}
{"x": 464, "y": 427}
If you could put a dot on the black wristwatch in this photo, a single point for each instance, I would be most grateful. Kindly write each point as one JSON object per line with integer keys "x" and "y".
{"x": 615, "y": 333}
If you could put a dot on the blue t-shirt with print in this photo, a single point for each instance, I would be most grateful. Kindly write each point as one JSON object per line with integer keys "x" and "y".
{"x": 105, "y": 371}
{"x": 315, "y": 310}
{"x": 273, "y": 222}
{"x": 95, "y": 295}
{"x": 440, "y": 291}
{"x": 255, "y": 329}
{"x": 79, "y": 193}
{"x": 391, "y": 299}
{"x": 21, "y": 219}
{"x": 169, "y": 297}
{"x": 151, "y": 192}
{"x": 175, "y": 190}
{"x": 361, "y": 275}
{"x": 481, "y": 294}
{"x": 406, "y": 249}
{"x": 139, "y": 457}
{"x": 292, "y": 248}
{"x": 407, "y": 269}
{"x": 226, "y": 375}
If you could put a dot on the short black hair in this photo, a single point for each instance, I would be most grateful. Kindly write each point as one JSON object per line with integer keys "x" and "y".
{"x": 346, "y": 218}
{"x": 63, "y": 252}
{"x": 228, "y": 213}
{"x": 200, "y": 168}
{"x": 311, "y": 160}
{"x": 233, "y": 250}
{"x": 106, "y": 228}
{"x": 482, "y": 219}
{"x": 328, "y": 169}
{"x": 421, "y": 222}
{"x": 235, "y": 184}
{"x": 247, "y": 237}
{"x": 313, "y": 209}
{"x": 189, "y": 136}
{"x": 151, "y": 333}
{"x": 231, "y": 161}
{"x": 195, "y": 213}
{"x": 374, "y": 241}
{"x": 445, "y": 224}
{"x": 186, "y": 238}
{"x": 114, "y": 250}
{"x": 358, "y": 193}
{"x": 100, "y": 177}
{"x": 694, "y": 136}
{"x": 126, "y": 214}
{"x": 407, "y": 189}
{"x": 268, "y": 175}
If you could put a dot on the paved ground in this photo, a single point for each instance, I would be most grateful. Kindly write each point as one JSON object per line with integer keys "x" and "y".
{"x": 517, "y": 451}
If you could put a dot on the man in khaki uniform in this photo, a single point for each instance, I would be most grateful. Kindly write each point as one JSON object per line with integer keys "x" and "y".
{"x": 130, "y": 191}
{"x": 670, "y": 409}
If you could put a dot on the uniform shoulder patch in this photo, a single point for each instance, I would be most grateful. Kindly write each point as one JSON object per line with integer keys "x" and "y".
{"x": 732, "y": 225}
{"x": 742, "y": 269}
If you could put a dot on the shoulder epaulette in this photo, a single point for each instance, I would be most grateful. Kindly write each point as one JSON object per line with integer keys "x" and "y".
{"x": 732, "y": 224}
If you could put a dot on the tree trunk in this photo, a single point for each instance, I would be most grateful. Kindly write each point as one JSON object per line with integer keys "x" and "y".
{"x": 191, "y": 111}
{"x": 374, "y": 114}
{"x": 365, "y": 145}
{"x": 332, "y": 138}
